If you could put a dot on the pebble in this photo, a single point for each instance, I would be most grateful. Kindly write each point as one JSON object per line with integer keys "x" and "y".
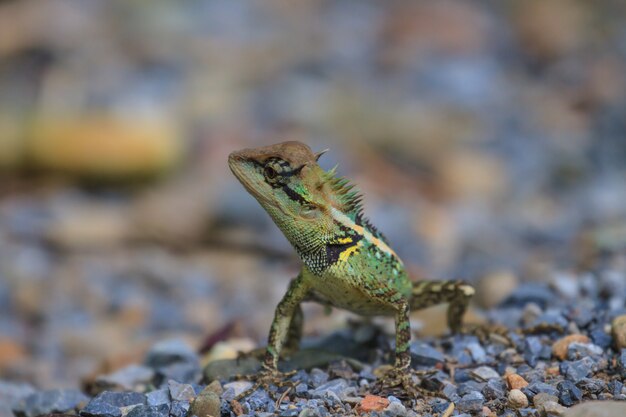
{"x": 485, "y": 373}
{"x": 494, "y": 389}
{"x": 12, "y": 393}
{"x": 339, "y": 387}
{"x": 576, "y": 370}
{"x": 237, "y": 387}
{"x": 108, "y": 403}
{"x": 618, "y": 331}
{"x": 207, "y": 403}
{"x": 425, "y": 355}
{"x": 517, "y": 399}
{"x": 569, "y": 393}
{"x": 395, "y": 409}
{"x": 372, "y": 403}
{"x": 597, "y": 409}
{"x": 577, "y": 351}
{"x": 181, "y": 392}
{"x": 471, "y": 403}
{"x": 515, "y": 381}
{"x": 318, "y": 377}
{"x": 50, "y": 401}
{"x": 559, "y": 348}
{"x": 168, "y": 352}
{"x": 149, "y": 411}
{"x": 130, "y": 378}
{"x": 158, "y": 397}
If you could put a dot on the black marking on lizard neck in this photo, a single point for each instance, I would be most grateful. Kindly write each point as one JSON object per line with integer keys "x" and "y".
{"x": 334, "y": 250}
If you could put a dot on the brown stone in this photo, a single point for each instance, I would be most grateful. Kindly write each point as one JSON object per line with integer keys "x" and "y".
{"x": 373, "y": 403}
{"x": 618, "y": 329}
{"x": 515, "y": 381}
{"x": 559, "y": 348}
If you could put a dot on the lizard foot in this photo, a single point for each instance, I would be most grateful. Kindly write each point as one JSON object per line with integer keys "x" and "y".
{"x": 402, "y": 383}
{"x": 265, "y": 378}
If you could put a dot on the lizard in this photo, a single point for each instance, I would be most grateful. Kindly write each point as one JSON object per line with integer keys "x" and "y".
{"x": 346, "y": 261}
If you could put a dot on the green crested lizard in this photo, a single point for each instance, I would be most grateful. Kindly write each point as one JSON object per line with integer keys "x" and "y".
{"x": 347, "y": 263}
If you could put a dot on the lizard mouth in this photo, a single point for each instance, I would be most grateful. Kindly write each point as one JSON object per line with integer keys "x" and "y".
{"x": 241, "y": 167}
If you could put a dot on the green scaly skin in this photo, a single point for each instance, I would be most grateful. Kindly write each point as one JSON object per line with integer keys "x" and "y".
{"x": 347, "y": 263}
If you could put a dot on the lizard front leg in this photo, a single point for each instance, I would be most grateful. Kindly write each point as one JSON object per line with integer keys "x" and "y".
{"x": 285, "y": 310}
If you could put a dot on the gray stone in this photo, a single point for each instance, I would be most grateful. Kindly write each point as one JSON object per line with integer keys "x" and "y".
{"x": 426, "y": 355}
{"x": 339, "y": 387}
{"x": 576, "y": 351}
{"x": 569, "y": 394}
{"x": 577, "y": 370}
{"x": 149, "y": 411}
{"x": 179, "y": 408}
{"x": 169, "y": 352}
{"x": 12, "y": 393}
{"x": 494, "y": 389}
{"x": 100, "y": 409}
{"x": 181, "y": 392}
{"x": 158, "y": 397}
{"x": 50, "y": 401}
{"x": 395, "y": 409}
{"x": 485, "y": 373}
{"x": 471, "y": 403}
{"x": 317, "y": 377}
{"x": 133, "y": 377}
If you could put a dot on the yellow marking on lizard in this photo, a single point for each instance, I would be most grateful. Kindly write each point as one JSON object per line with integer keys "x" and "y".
{"x": 347, "y": 222}
{"x": 343, "y": 256}
{"x": 344, "y": 240}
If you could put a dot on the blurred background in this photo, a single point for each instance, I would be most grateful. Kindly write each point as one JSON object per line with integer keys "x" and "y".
{"x": 489, "y": 139}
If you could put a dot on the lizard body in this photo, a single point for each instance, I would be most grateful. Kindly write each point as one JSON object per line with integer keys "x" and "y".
{"x": 347, "y": 262}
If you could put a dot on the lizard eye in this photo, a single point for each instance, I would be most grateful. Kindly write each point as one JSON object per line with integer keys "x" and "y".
{"x": 269, "y": 172}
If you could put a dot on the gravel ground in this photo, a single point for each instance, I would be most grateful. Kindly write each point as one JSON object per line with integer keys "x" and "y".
{"x": 569, "y": 347}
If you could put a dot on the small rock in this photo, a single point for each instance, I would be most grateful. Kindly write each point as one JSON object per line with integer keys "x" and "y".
{"x": 372, "y": 403}
{"x": 600, "y": 337}
{"x": 131, "y": 378}
{"x": 559, "y": 348}
{"x": 207, "y": 403}
{"x": 149, "y": 411}
{"x": 181, "y": 392}
{"x": 540, "y": 387}
{"x": 11, "y": 393}
{"x": 426, "y": 355}
{"x": 179, "y": 408}
{"x": 50, "y": 401}
{"x": 569, "y": 394}
{"x": 339, "y": 387}
{"x": 477, "y": 352}
{"x": 577, "y": 351}
{"x": 597, "y": 409}
{"x": 540, "y": 399}
{"x": 237, "y": 387}
{"x": 171, "y": 351}
{"x": 485, "y": 373}
{"x": 576, "y": 370}
{"x": 108, "y": 403}
{"x": 621, "y": 363}
{"x": 317, "y": 377}
{"x": 494, "y": 389}
{"x": 158, "y": 397}
{"x": 515, "y": 381}
{"x": 552, "y": 408}
{"x": 517, "y": 399}
{"x": 618, "y": 330}
{"x": 471, "y": 403}
{"x": 395, "y": 409}
{"x": 591, "y": 385}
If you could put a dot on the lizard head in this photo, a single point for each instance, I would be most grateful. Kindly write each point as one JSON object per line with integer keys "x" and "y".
{"x": 285, "y": 178}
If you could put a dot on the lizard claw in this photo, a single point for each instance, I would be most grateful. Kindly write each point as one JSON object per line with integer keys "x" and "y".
{"x": 265, "y": 379}
{"x": 402, "y": 383}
